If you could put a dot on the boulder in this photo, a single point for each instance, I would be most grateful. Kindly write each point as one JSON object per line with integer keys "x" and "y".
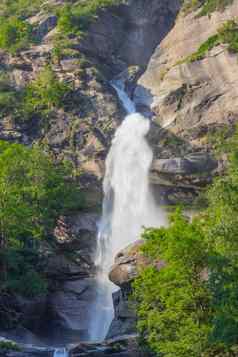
{"x": 197, "y": 163}
{"x": 126, "y": 265}
{"x": 43, "y": 24}
{"x": 121, "y": 346}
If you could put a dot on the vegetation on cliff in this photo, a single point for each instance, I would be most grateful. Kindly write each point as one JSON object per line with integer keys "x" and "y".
{"x": 188, "y": 307}
{"x": 17, "y": 34}
{"x": 34, "y": 192}
{"x": 226, "y": 35}
{"x": 38, "y": 98}
{"x": 205, "y": 7}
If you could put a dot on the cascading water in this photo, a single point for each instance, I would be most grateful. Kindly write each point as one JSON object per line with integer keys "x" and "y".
{"x": 128, "y": 205}
{"x": 60, "y": 352}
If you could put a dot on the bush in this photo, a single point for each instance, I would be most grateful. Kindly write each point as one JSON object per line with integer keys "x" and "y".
{"x": 173, "y": 303}
{"x": 206, "y": 6}
{"x": 76, "y": 19}
{"x": 45, "y": 93}
{"x": 15, "y": 34}
{"x": 210, "y": 6}
{"x": 6, "y": 346}
{"x": 34, "y": 193}
{"x": 20, "y": 8}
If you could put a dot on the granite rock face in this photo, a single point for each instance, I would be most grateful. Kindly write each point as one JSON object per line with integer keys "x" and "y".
{"x": 191, "y": 102}
{"x": 136, "y": 28}
{"x": 190, "y": 98}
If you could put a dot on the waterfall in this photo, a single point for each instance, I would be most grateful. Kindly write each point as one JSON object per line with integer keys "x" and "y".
{"x": 60, "y": 352}
{"x": 128, "y": 205}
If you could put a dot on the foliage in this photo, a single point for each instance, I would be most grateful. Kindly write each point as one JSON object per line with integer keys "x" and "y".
{"x": 33, "y": 193}
{"x": 207, "y": 7}
{"x": 226, "y": 34}
{"x": 189, "y": 307}
{"x": 39, "y": 98}
{"x": 9, "y": 346}
{"x": 210, "y": 6}
{"x": 76, "y": 19}
{"x": 174, "y": 313}
{"x": 44, "y": 93}
{"x": 20, "y": 8}
{"x": 15, "y": 34}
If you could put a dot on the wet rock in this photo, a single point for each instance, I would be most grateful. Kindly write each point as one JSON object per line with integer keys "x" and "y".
{"x": 69, "y": 312}
{"x": 24, "y": 350}
{"x": 122, "y": 346}
{"x": 197, "y": 163}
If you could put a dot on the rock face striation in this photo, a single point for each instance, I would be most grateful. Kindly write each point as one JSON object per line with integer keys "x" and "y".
{"x": 191, "y": 101}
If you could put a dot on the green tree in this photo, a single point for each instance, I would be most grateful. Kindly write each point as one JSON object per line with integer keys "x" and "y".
{"x": 221, "y": 231}
{"x": 173, "y": 300}
{"x": 189, "y": 307}
{"x": 34, "y": 191}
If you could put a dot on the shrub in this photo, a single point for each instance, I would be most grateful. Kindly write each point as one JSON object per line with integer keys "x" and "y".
{"x": 210, "y": 6}
{"x": 76, "y": 19}
{"x": 15, "y": 34}
{"x": 44, "y": 93}
{"x": 6, "y": 346}
{"x": 20, "y": 8}
{"x": 206, "y": 6}
{"x": 189, "y": 307}
{"x": 34, "y": 192}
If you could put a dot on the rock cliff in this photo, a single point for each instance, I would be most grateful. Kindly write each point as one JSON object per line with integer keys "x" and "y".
{"x": 190, "y": 103}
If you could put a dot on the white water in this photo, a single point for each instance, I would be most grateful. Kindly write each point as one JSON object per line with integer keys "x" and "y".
{"x": 128, "y": 205}
{"x": 60, "y": 352}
